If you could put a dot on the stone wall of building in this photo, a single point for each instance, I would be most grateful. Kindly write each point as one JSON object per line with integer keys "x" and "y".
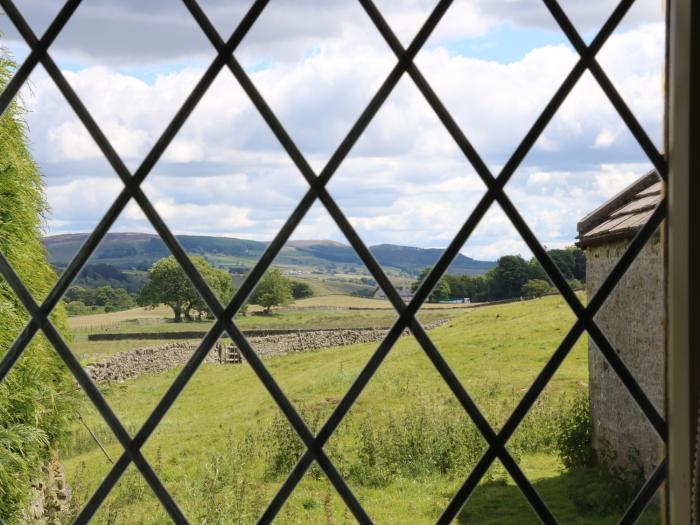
{"x": 634, "y": 321}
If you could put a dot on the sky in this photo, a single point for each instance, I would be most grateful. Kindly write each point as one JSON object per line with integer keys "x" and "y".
{"x": 493, "y": 63}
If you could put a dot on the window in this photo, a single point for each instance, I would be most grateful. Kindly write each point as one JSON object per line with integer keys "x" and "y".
{"x": 495, "y": 180}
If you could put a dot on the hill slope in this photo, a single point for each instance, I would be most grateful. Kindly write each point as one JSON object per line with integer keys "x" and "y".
{"x": 140, "y": 250}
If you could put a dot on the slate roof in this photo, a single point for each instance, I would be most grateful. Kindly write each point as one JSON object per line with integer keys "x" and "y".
{"x": 623, "y": 215}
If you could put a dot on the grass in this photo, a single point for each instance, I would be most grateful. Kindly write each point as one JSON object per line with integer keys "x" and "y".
{"x": 92, "y": 351}
{"x": 349, "y": 301}
{"x": 495, "y": 351}
{"x": 159, "y": 320}
{"x": 162, "y": 315}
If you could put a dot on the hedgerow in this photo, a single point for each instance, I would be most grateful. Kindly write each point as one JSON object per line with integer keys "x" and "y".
{"x": 36, "y": 397}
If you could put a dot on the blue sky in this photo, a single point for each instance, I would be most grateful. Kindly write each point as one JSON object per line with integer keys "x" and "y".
{"x": 493, "y": 64}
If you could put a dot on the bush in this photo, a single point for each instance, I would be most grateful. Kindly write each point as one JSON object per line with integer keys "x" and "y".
{"x": 283, "y": 447}
{"x": 535, "y": 288}
{"x": 574, "y": 437}
{"x": 76, "y": 308}
{"x": 575, "y": 284}
{"x": 301, "y": 290}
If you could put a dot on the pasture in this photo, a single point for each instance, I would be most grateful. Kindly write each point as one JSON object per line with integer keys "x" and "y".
{"x": 405, "y": 447}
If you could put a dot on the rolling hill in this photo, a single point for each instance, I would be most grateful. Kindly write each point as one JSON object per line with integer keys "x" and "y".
{"x": 129, "y": 251}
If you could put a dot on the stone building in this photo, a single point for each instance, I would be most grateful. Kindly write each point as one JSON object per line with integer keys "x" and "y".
{"x": 633, "y": 319}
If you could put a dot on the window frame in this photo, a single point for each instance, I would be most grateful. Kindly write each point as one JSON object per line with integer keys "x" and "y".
{"x": 683, "y": 285}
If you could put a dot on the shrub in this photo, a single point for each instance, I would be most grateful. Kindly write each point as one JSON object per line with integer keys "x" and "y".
{"x": 574, "y": 437}
{"x": 301, "y": 290}
{"x": 535, "y": 288}
{"x": 575, "y": 284}
{"x": 282, "y": 447}
{"x": 76, "y": 308}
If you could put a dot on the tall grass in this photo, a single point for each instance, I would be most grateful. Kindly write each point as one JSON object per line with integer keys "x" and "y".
{"x": 430, "y": 439}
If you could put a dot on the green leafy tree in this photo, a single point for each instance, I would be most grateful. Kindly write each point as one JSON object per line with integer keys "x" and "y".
{"x": 579, "y": 268}
{"x": 169, "y": 285}
{"x": 564, "y": 259}
{"x": 221, "y": 284}
{"x": 441, "y": 292}
{"x": 535, "y": 288}
{"x": 301, "y": 290}
{"x": 37, "y": 397}
{"x": 274, "y": 289}
{"x": 508, "y": 277}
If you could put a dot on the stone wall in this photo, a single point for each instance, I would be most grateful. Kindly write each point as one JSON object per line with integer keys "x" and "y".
{"x": 49, "y": 497}
{"x": 634, "y": 320}
{"x": 156, "y": 359}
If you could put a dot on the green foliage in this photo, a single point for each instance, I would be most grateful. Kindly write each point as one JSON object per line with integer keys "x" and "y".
{"x": 36, "y": 398}
{"x": 77, "y": 308}
{"x": 169, "y": 285}
{"x": 474, "y": 287}
{"x": 512, "y": 272}
{"x": 225, "y": 488}
{"x": 274, "y": 290}
{"x": 574, "y": 439}
{"x": 282, "y": 447}
{"x": 441, "y": 292}
{"x": 571, "y": 262}
{"x": 383, "y": 447}
{"x": 536, "y": 288}
{"x": 82, "y": 300}
{"x": 508, "y": 277}
{"x": 301, "y": 290}
{"x": 575, "y": 284}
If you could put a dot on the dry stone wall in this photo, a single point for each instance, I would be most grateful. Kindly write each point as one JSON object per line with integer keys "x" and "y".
{"x": 156, "y": 359}
{"x": 49, "y": 497}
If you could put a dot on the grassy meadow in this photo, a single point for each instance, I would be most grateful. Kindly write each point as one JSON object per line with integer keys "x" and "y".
{"x": 329, "y": 311}
{"x": 223, "y": 450}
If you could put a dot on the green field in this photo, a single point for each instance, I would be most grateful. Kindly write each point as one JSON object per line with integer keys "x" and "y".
{"x": 223, "y": 451}
{"x": 330, "y": 311}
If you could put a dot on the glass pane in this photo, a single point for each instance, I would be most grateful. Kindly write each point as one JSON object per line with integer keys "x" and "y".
{"x": 320, "y": 314}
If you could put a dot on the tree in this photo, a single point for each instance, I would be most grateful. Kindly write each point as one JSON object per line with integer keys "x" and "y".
{"x": 579, "y": 263}
{"x": 169, "y": 285}
{"x": 441, "y": 292}
{"x": 301, "y": 290}
{"x": 564, "y": 259}
{"x": 37, "y": 397}
{"x": 535, "y": 288}
{"x": 219, "y": 281}
{"x": 508, "y": 277}
{"x": 274, "y": 289}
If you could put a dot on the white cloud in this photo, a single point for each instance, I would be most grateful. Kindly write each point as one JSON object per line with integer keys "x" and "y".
{"x": 404, "y": 182}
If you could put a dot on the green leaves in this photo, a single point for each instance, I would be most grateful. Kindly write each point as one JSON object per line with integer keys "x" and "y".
{"x": 274, "y": 290}
{"x": 169, "y": 285}
{"x": 37, "y": 395}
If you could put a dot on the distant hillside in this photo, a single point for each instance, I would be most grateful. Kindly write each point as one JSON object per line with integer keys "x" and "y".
{"x": 137, "y": 251}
